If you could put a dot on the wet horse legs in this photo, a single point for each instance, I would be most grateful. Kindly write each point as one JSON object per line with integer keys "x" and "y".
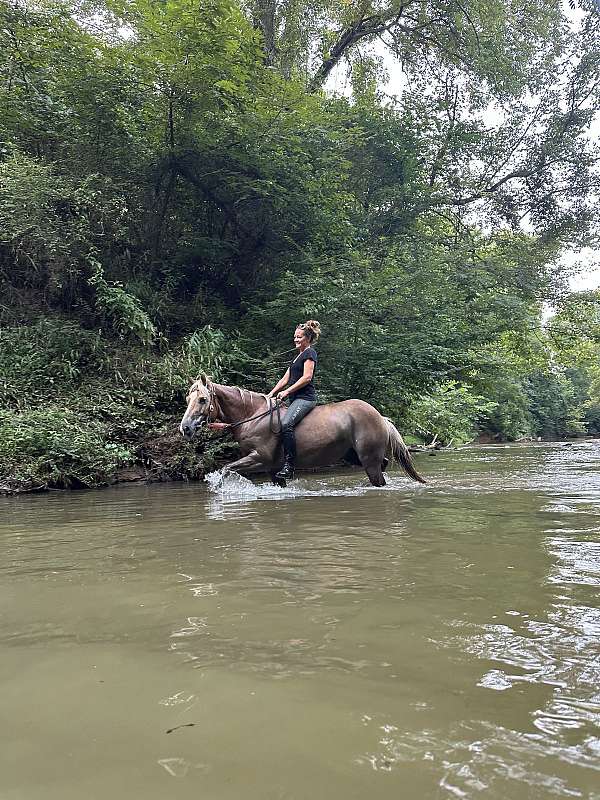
{"x": 375, "y": 473}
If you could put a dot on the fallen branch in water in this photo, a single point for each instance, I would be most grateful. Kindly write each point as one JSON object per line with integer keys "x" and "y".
{"x": 185, "y": 725}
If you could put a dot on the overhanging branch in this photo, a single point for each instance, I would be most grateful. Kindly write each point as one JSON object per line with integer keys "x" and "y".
{"x": 361, "y": 28}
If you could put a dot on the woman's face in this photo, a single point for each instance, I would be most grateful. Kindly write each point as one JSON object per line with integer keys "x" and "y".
{"x": 300, "y": 339}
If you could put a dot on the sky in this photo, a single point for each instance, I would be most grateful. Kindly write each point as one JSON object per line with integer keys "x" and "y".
{"x": 589, "y": 277}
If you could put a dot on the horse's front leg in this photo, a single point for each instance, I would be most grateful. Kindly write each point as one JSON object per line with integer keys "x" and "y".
{"x": 253, "y": 462}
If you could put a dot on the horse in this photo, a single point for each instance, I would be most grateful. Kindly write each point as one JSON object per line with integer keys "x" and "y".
{"x": 351, "y": 430}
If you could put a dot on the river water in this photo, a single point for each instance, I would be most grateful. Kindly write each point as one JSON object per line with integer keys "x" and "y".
{"x": 334, "y": 641}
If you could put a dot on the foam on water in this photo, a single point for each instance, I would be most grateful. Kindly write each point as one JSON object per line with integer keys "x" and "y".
{"x": 232, "y": 486}
{"x": 235, "y": 486}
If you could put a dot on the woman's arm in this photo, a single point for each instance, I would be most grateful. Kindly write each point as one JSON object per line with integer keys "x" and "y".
{"x": 280, "y": 384}
{"x": 307, "y": 375}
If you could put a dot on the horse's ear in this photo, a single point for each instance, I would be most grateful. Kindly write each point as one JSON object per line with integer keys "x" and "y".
{"x": 202, "y": 378}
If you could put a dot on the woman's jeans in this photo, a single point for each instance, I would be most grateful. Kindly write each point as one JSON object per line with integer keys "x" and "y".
{"x": 298, "y": 410}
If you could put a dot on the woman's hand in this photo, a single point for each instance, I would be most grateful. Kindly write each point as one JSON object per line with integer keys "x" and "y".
{"x": 282, "y": 395}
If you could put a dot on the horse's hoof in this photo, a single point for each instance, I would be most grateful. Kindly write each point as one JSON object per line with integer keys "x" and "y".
{"x": 281, "y": 482}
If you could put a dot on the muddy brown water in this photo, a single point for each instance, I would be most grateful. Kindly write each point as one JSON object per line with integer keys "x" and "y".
{"x": 335, "y": 641}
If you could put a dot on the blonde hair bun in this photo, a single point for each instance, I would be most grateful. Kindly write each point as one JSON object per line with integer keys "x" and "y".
{"x": 313, "y": 329}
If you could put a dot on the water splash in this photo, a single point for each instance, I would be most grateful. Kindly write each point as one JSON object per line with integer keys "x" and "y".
{"x": 232, "y": 486}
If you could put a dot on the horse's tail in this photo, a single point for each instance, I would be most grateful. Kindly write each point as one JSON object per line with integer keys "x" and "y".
{"x": 399, "y": 452}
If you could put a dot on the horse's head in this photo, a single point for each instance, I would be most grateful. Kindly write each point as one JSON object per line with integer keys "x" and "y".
{"x": 200, "y": 408}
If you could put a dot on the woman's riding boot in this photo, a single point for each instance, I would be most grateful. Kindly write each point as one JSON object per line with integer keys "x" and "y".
{"x": 286, "y": 473}
{"x": 289, "y": 450}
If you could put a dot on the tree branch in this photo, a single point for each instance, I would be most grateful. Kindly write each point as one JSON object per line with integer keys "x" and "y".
{"x": 517, "y": 173}
{"x": 361, "y": 28}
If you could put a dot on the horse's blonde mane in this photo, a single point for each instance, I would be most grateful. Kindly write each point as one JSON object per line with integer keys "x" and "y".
{"x": 249, "y": 393}
{"x": 244, "y": 393}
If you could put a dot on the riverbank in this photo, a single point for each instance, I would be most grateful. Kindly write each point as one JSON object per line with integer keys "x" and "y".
{"x": 162, "y": 456}
{"x": 168, "y": 458}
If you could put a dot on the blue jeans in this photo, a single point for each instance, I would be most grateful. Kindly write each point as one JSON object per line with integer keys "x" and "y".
{"x": 298, "y": 410}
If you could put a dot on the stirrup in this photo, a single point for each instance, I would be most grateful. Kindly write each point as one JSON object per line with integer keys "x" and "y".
{"x": 286, "y": 472}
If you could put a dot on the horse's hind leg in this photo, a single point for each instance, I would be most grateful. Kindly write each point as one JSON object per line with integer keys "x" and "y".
{"x": 351, "y": 457}
{"x": 372, "y": 456}
{"x": 375, "y": 474}
{"x": 372, "y": 460}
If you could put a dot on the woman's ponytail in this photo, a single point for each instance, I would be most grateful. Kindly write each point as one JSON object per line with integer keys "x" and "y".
{"x": 312, "y": 329}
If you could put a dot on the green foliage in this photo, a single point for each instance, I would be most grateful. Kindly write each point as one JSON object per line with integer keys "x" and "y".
{"x": 449, "y": 415}
{"x": 206, "y": 351}
{"x": 79, "y": 407}
{"x": 121, "y": 308}
{"x": 48, "y": 359}
{"x": 575, "y": 330}
{"x": 53, "y": 447}
{"x": 509, "y": 418}
{"x": 50, "y": 227}
{"x": 592, "y": 407}
{"x": 555, "y": 406}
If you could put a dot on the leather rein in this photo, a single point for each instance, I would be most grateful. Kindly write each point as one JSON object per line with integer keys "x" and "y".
{"x": 269, "y": 412}
{"x": 273, "y": 407}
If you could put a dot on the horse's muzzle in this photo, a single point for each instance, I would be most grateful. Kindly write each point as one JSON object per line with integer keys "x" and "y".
{"x": 189, "y": 429}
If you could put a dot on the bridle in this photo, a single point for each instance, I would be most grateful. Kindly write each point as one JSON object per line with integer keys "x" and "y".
{"x": 213, "y": 408}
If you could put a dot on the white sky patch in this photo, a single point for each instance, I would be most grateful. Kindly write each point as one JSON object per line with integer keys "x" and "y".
{"x": 586, "y": 264}
{"x": 104, "y": 25}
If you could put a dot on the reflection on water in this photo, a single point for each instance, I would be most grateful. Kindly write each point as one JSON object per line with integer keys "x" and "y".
{"x": 330, "y": 639}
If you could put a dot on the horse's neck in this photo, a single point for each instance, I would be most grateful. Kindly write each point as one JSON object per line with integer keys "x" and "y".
{"x": 237, "y": 404}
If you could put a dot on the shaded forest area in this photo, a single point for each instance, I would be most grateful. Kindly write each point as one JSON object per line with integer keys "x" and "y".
{"x": 180, "y": 186}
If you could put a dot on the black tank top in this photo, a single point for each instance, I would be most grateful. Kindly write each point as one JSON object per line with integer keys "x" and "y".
{"x": 297, "y": 371}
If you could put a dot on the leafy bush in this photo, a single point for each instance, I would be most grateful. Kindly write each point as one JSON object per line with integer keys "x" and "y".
{"x": 448, "y": 414}
{"x": 53, "y": 447}
{"x": 124, "y": 311}
{"x": 207, "y": 350}
{"x": 508, "y": 417}
{"x": 39, "y": 361}
{"x": 77, "y": 407}
{"x": 555, "y": 408}
{"x": 51, "y": 226}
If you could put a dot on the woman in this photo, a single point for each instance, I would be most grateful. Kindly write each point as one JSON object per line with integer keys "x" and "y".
{"x": 298, "y": 381}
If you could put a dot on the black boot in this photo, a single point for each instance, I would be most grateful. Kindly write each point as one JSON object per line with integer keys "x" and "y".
{"x": 286, "y": 473}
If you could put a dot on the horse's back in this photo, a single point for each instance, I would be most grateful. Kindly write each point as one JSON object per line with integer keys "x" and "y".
{"x": 355, "y": 408}
{"x": 331, "y": 430}
{"x": 346, "y": 415}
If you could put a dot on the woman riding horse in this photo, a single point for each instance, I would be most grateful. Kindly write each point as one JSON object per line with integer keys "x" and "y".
{"x": 298, "y": 380}
{"x": 350, "y": 430}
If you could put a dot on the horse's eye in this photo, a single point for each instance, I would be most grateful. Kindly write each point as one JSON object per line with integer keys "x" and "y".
{"x": 202, "y": 399}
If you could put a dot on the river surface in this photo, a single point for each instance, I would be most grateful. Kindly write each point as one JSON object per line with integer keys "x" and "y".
{"x": 330, "y": 642}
